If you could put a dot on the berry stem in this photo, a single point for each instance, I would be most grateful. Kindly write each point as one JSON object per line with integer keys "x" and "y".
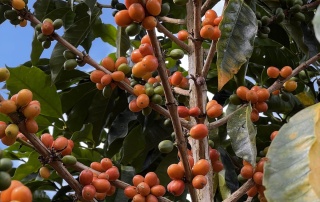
{"x": 172, "y": 20}
{"x": 27, "y": 144}
{"x": 166, "y": 32}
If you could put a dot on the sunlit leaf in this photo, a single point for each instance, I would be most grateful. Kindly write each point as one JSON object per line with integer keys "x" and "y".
{"x": 316, "y": 24}
{"x": 290, "y": 159}
{"x": 31, "y": 166}
{"x": 39, "y": 83}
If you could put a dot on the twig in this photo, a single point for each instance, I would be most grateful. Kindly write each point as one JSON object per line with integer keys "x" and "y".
{"x": 172, "y": 37}
{"x": 172, "y": 20}
{"x": 279, "y": 83}
{"x": 241, "y": 191}
{"x": 172, "y": 106}
{"x": 90, "y": 61}
{"x": 249, "y": 199}
{"x": 103, "y": 5}
{"x": 210, "y": 56}
{"x": 207, "y": 5}
{"x": 181, "y": 91}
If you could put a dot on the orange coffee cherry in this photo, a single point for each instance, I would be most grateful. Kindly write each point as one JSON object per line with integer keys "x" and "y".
{"x": 199, "y": 131}
{"x": 273, "y": 72}
{"x": 285, "y": 72}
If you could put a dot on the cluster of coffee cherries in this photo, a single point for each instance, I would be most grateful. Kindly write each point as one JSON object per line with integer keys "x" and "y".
{"x": 210, "y": 29}
{"x": 45, "y": 29}
{"x": 98, "y": 186}
{"x": 146, "y": 188}
{"x": 13, "y": 15}
{"x": 61, "y": 144}
{"x": 177, "y": 79}
{"x": 135, "y": 13}
{"x": 256, "y": 173}
{"x": 106, "y": 82}
{"x": 288, "y": 86}
{"x": 20, "y": 102}
{"x": 71, "y": 61}
{"x": 256, "y": 95}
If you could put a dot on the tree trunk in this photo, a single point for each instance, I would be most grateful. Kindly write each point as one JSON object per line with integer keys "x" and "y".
{"x": 198, "y": 95}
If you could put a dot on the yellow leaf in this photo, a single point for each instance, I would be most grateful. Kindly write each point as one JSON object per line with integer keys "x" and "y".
{"x": 314, "y": 156}
{"x": 306, "y": 98}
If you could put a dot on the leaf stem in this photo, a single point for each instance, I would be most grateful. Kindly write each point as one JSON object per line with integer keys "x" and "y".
{"x": 27, "y": 144}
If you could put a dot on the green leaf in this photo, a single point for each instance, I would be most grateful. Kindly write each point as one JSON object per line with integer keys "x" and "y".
{"x": 77, "y": 114}
{"x": 31, "y": 166}
{"x": 276, "y": 104}
{"x": 39, "y": 83}
{"x": 243, "y": 135}
{"x": 42, "y": 122}
{"x": 223, "y": 187}
{"x": 133, "y": 144}
{"x": 297, "y": 35}
{"x": 316, "y": 24}
{"x": 107, "y": 32}
{"x": 70, "y": 98}
{"x": 41, "y": 185}
{"x": 37, "y": 50}
{"x": 87, "y": 42}
{"x": 91, "y": 4}
{"x": 238, "y": 29}
{"x": 231, "y": 177}
{"x": 40, "y": 196}
{"x": 74, "y": 35}
{"x": 84, "y": 135}
{"x": 59, "y": 13}
{"x": 122, "y": 42}
{"x": 119, "y": 127}
{"x": 41, "y": 7}
{"x": 4, "y": 118}
{"x": 3, "y": 8}
{"x": 289, "y": 156}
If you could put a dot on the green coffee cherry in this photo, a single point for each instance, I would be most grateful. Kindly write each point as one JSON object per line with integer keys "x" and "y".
{"x": 265, "y": 20}
{"x": 57, "y": 24}
{"x": 70, "y": 64}
{"x": 146, "y": 111}
{"x": 46, "y": 44}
